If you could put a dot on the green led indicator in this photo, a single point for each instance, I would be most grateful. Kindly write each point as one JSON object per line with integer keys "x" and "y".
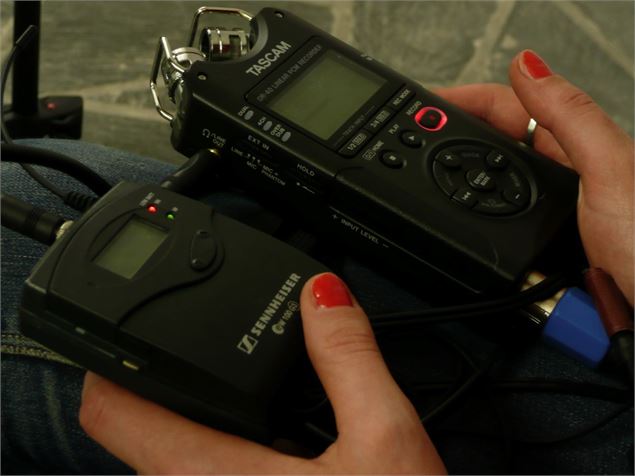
{"x": 170, "y": 216}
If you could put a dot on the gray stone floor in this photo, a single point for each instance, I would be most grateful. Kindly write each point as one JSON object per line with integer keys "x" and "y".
{"x": 104, "y": 50}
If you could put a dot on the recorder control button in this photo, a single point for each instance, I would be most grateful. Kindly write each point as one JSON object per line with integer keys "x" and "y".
{"x": 412, "y": 139}
{"x": 516, "y": 197}
{"x": 392, "y": 160}
{"x": 202, "y": 250}
{"x": 480, "y": 179}
{"x": 495, "y": 206}
{"x": 496, "y": 160}
{"x": 446, "y": 178}
{"x": 356, "y": 143}
{"x": 431, "y": 118}
{"x": 466, "y": 196}
{"x": 514, "y": 179}
{"x": 379, "y": 120}
{"x": 306, "y": 189}
{"x": 401, "y": 98}
{"x": 373, "y": 150}
{"x": 450, "y": 159}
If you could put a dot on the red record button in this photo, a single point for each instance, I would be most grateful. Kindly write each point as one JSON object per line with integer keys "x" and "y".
{"x": 431, "y": 118}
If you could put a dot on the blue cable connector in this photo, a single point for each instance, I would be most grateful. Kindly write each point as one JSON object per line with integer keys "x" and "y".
{"x": 574, "y": 327}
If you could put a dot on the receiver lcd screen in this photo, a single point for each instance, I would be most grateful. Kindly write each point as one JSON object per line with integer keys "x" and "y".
{"x": 327, "y": 94}
{"x": 131, "y": 248}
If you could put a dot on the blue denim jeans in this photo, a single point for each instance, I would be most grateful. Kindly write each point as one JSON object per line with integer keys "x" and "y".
{"x": 41, "y": 390}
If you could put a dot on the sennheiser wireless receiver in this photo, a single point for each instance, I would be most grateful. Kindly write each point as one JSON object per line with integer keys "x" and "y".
{"x": 181, "y": 304}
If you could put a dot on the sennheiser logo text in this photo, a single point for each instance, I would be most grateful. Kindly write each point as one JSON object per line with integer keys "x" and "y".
{"x": 274, "y": 307}
{"x": 247, "y": 344}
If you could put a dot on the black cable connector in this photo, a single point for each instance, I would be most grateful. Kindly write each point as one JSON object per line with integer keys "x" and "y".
{"x": 193, "y": 178}
{"x": 29, "y": 220}
{"x": 79, "y": 201}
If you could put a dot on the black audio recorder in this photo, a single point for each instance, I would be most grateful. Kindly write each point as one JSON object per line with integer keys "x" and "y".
{"x": 364, "y": 154}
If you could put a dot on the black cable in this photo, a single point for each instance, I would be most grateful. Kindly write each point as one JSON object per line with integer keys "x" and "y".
{"x": 542, "y": 290}
{"x": 546, "y": 288}
{"x": 579, "y": 433}
{"x": 43, "y": 181}
{"x": 599, "y": 391}
{"x": 24, "y": 154}
{"x": 21, "y": 43}
{"x": 467, "y": 385}
{"x": 76, "y": 200}
{"x": 563, "y": 387}
{"x": 29, "y": 220}
{"x": 581, "y": 389}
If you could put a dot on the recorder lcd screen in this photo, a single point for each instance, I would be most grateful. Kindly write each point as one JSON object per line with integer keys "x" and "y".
{"x": 327, "y": 94}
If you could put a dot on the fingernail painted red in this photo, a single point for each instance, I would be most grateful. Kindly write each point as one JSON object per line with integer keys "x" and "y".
{"x": 330, "y": 291}
{"x": 533, "y": 66}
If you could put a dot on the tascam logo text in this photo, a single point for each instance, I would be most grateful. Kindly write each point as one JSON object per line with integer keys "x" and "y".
{"x": 269, "y": 58}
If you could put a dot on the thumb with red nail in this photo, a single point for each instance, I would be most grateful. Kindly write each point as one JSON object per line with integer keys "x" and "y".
{"x": 378, "y": 428}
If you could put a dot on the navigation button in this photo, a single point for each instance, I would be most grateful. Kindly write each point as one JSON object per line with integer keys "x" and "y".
{"x": 449, "y": 159}
{"x": 480, "y": 179}
{"x": 412, "y": 139}
{"x": 392, "y": 160}
{"x": 446, "y": 178}
{"x": 496, "y": 160}
{"x": 466, "y": 197}
{"x": 516, "y": 197}
{"x": 495, "y": 206}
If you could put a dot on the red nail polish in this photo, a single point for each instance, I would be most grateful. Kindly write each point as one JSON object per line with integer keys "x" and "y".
{"x": 330, "y": 291}
{"x": 533, "y": 66}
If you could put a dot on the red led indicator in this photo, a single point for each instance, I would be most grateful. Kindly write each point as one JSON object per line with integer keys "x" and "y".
{"x": 51, "y": 106}
{"x": 152, "y": 208}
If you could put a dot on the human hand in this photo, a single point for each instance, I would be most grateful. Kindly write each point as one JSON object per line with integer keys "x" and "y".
{"x": 379, "y": 430}
{"x": 574, "y": 131}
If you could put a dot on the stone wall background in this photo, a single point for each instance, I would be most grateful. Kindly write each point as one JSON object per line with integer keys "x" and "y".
{"x": 104, "y": 50}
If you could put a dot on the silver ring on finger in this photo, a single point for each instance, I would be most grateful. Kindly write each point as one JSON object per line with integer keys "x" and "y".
{"x": 531, "y": 130}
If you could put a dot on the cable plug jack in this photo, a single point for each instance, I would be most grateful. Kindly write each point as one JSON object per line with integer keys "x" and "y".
{"x": 571, "y": 323}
